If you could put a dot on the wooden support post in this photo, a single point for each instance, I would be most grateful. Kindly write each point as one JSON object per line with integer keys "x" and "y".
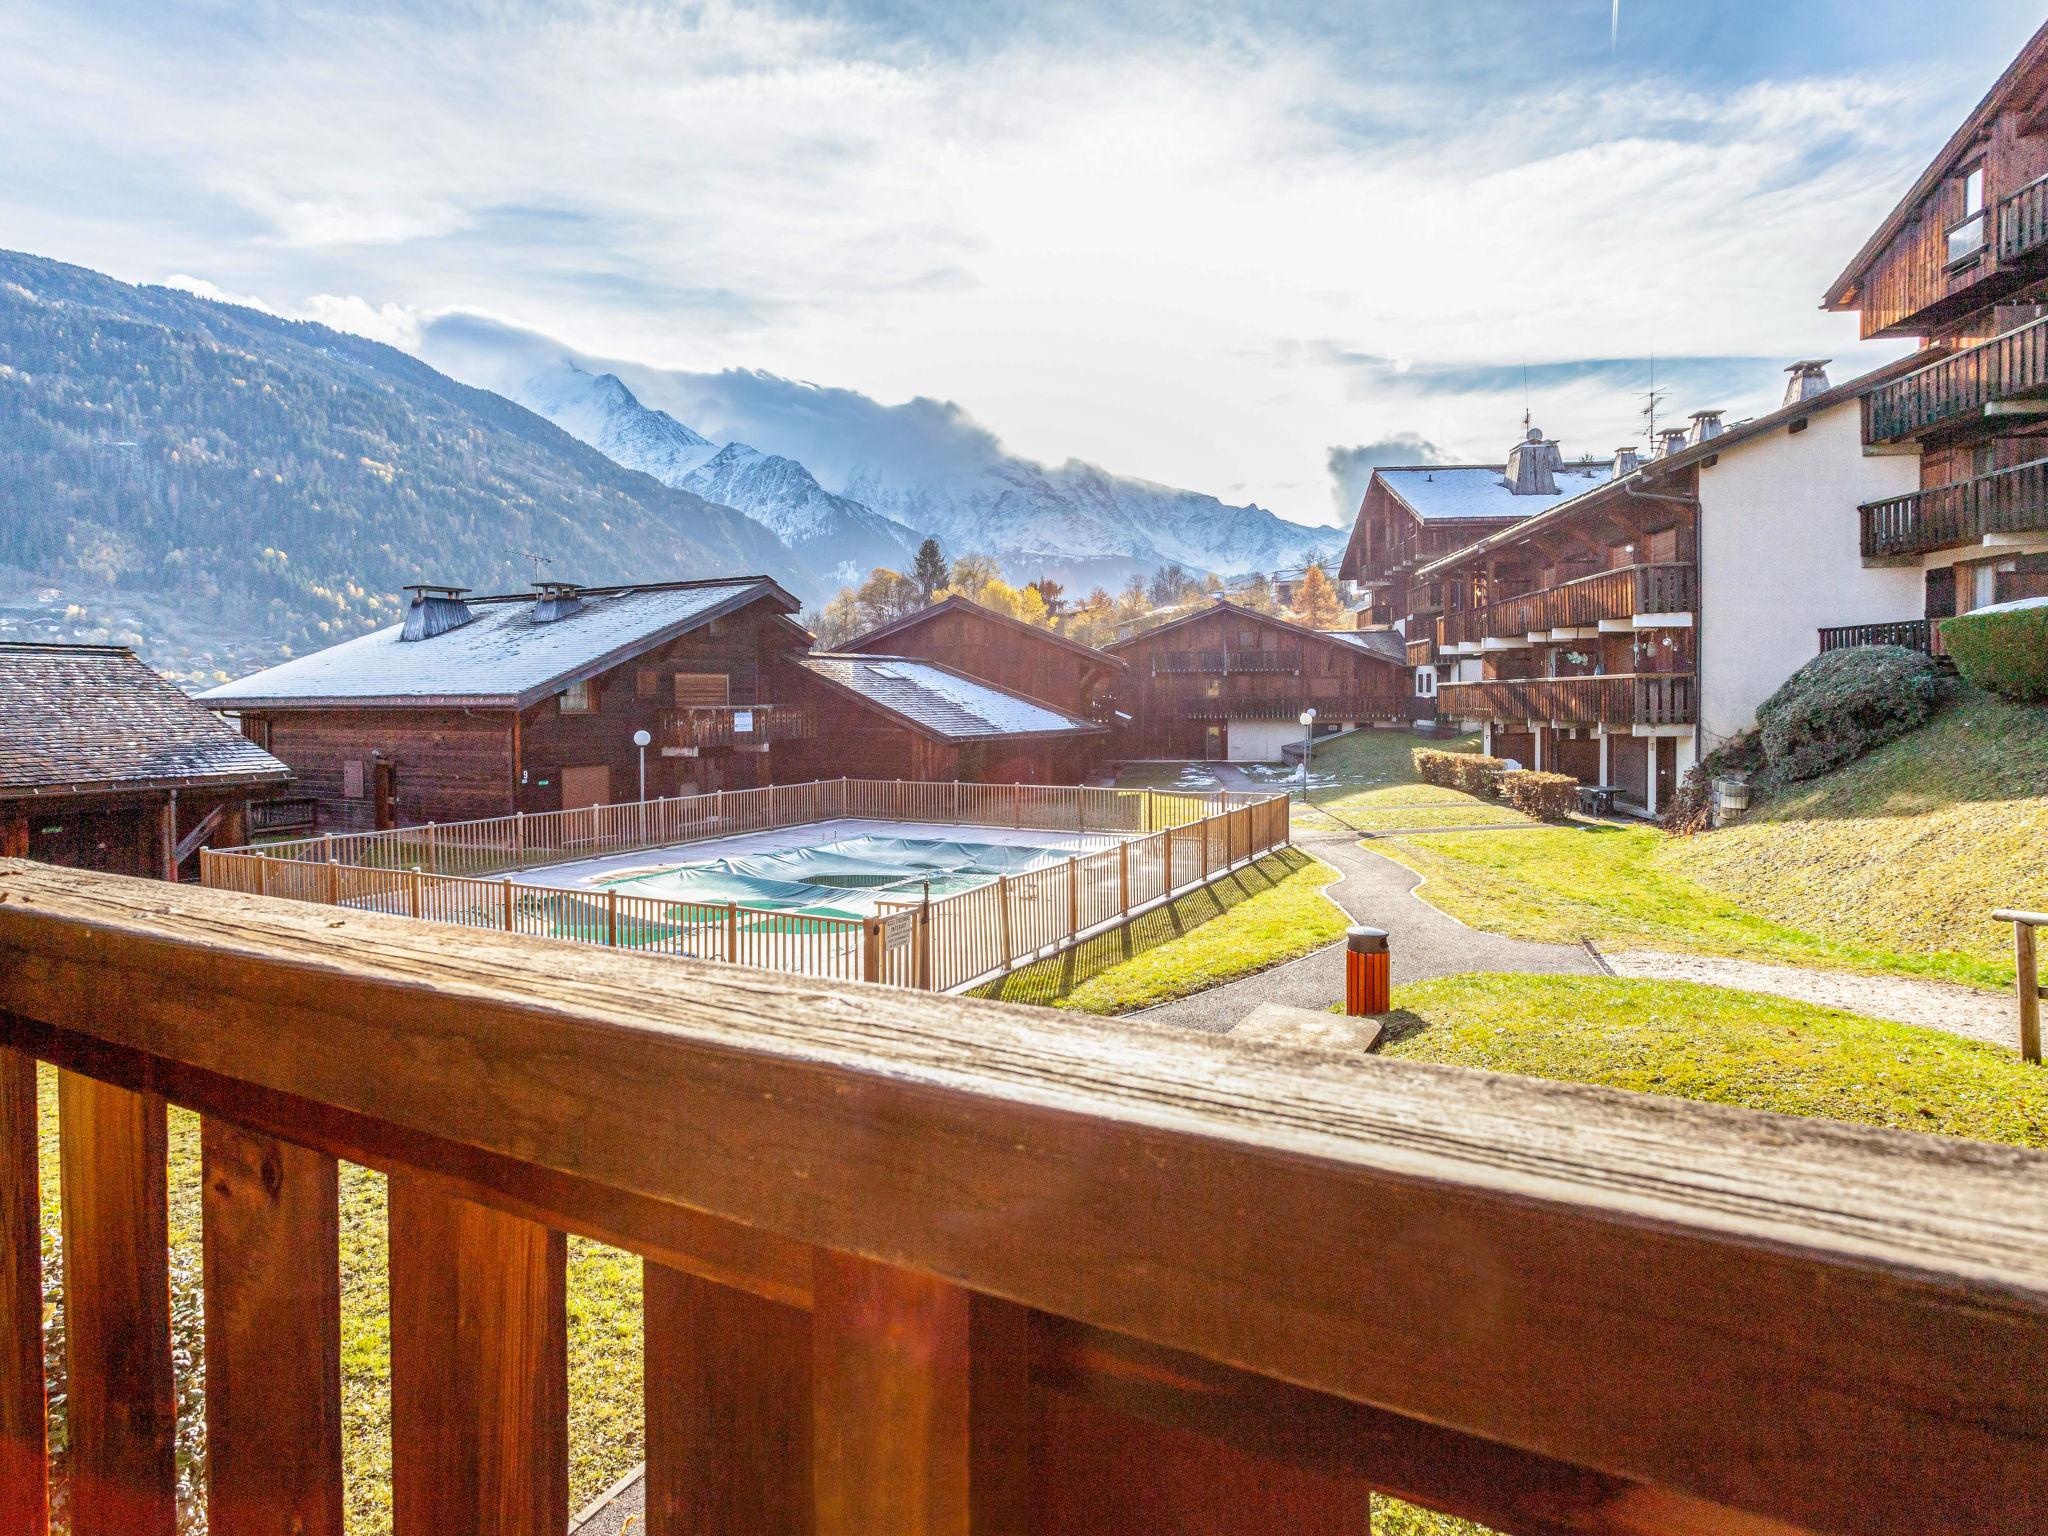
{"x": 924, "y": 946}
{"x": 728, "y": 1395}
{"x": 922, "y": 1412}
{"x": 1073, "y": 898}
{"x": 2028, "y": 979}
{"x": 519, "y": 837}
{"x": 412, "y": 886}
{"x": 262, "y": 875}
{"x": 121, "y": 1402}
{"x": 24, "y": 1465}
{"x": 1016, "y": 805}
{"x": 273, "y": 1335}
{"x": 510, "y": 905}
{"x": 330, "y": 882}
{"x": 1003, "y": 901}
{"x": 611, "y": 916}
{"x": 1123, "y": 877}
{"x": 1166, "y": 862}
{"x": 479, "y": 1368}
{"x": 433, "y": 850}
{"x": 871, "y": 949}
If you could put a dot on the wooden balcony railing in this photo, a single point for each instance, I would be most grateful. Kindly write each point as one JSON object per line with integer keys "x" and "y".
{"x": 701, "y": 727}
{"x": 935, "y": 1267}
{"x": 1371, "y": 707}
{"x": 2011, "y": 500}
{"x": 1225, "y": 663}
{"x": 284, "y": 816}
{"x": 1619, "y": 699}
{"x": 1422, "y": 651}
{"x": 1913, "y": 634}
{"x": 2023, "y": 222}
{"x": 2008, "y": 366}
{"x": 1665, "y": 587}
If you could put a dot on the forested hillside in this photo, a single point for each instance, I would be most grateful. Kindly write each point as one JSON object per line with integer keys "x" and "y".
{"x": 225, "y": 486}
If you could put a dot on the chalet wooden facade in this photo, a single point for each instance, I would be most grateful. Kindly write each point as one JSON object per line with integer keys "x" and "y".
{"x": 1039, "y": 663}
{"x": 1962, "y": 262}
{"x": 909, "y": 717}
{"x": 105, "y": 765}
{"x": 1412, "y": 515}
{"x": 1228, "y": 683}
{"x": 485, "y": 706}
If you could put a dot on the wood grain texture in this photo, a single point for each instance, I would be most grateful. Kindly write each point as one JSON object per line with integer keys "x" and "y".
{"x": 728, "y": 1400}
{"x": 24, "y": 1460}
{"x": 1836, "y": 1327}
{"x": 479, "y": 1369}
{"x": 271, "y": 1213}
{"x": 120, "y": 1401}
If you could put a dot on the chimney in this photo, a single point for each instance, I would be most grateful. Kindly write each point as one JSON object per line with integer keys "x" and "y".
{"x": 1626, "y": 460}
{"x": 1529, "y": 471}
{"x": 554, "y": 600}
{"x": 1705, "y": 424}
{"x": 434, "y": 611}
{"x": 1808, "y": 379}
{"x": 1670, "y": 441}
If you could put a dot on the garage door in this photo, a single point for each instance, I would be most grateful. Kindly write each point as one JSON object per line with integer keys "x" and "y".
{"x": 1260, "y": 741}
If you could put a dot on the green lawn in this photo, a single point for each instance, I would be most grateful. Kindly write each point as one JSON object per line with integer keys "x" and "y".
{"x": 1366, "y": 782}
{"x": 1261, "y": 915}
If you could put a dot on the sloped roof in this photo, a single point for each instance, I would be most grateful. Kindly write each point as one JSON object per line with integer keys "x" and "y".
{"x": 939, "y": 701}
{"x": 1349, "y": 638}
{"x": 91, "y": 718}
{"x": 877, "y": 638}
{"x": 1455, "y": 492}
{"x": 500, "y": 658}
{"x": 1378, "y": 642}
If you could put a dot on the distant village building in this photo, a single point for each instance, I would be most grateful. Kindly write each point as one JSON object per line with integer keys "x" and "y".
{"x": 1961, "y": 262}
{"x": 1226, "y": 683}
{"x": 1025, "y": 658}
{"x": 105, "y": 765}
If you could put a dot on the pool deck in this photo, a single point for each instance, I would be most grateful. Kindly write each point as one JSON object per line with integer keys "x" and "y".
{"x": 585, "y": 873}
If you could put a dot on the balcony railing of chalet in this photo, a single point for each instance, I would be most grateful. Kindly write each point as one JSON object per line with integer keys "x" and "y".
{"x": 696, "y": 728}
{"x": 1617, "y": 699}
{"x": 1225, "y": 663}
{"x": 284, "y": 816}
{"x": 2009, "y": 365}
{"x": 2011, "y": 500}
{"x": 1427, "y": 542}
{"x": 1914, "y": 634}
{"x": 1375, "y": 708}
{"x": 1161, "y": 845}
{"x": 1665, "y": 587}
{"x": 2023, "y": 222}
{"x": 934, "y": 1267}
{"x": 1422, "y": 651}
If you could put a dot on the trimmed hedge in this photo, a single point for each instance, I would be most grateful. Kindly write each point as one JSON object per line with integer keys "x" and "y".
{"x": 1468, "y": 771}
{"x": 1546, "y": 796}
{"x": 2002, "y": 652}
{"x": 1843, "y": 704}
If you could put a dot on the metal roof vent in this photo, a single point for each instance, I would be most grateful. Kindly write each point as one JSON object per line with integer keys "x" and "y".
{"x": 1705, "y": 424}
{"x": 1626, "y": 460}
{"x": 1808, "y": 379}
{"x": 555, "y": 600}
{"x": 434, "y": 611}
{"x": 1669, "y": 441}
{"x": 1530, "y": 469}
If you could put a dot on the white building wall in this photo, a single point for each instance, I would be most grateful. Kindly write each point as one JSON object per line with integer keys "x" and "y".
{"x": 1780, "y": 559}
{"x": 1260, "y": 741}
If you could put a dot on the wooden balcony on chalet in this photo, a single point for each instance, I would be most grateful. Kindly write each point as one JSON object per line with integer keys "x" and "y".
{"x": 2011, "y": 500}
{"x": 689, "y": 730}
{"x": 1620, "y": 699}
{"x": 1226, "y": 663}
{"x": 934, "y": 1266}
{"x": 1372, "y": 707}
{"x": 1663, "y": 590}
{"x": 1422, "y": 650}
{"x": 1914, "y": 634}
{"x": 1969, "y": 383}
{"x": 2023, "y": 223}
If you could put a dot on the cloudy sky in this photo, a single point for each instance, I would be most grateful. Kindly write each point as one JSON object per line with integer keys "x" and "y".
{"x": 1245, "y": 249}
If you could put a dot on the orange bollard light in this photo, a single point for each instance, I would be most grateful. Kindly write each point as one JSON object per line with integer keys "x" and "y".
{"x": 1368, "y": 972}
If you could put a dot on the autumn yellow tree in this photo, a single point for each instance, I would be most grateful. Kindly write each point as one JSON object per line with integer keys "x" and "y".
{"x": 1316, "y": 603}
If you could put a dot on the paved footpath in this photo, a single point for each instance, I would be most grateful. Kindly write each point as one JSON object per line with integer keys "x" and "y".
{"x": 1424, "y": 943}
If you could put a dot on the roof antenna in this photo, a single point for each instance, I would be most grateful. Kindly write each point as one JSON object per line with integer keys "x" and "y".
{"x": 1651, "y": 398}
{"x": 538, "y": 560}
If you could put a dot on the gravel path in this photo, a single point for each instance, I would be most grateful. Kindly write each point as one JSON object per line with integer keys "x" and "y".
{"x": 1989, "y": 1016}
{"x": 1425, "y": 943}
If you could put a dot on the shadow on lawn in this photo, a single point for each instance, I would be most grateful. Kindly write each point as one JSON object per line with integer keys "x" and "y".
{"x": 1050, "y": 980}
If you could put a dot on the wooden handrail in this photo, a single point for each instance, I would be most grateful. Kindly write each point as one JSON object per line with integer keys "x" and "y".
{"x": 1552, "y": 1308}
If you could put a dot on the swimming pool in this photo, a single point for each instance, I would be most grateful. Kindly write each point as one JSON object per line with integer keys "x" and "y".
{"x": 842, "y": 878}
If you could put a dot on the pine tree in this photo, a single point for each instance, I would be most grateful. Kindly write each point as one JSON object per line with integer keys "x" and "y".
{"x": 1316, "y": 603}
{"x": 930, "y": 571}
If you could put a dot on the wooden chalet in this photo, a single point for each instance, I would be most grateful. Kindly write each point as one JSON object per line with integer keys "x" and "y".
{"x": 105, "y": 765}
{"x": 483, "y": 706}
{"x": 909, "y": 717}
{"x": 1228, "y": 683}
{"x": 1413, "y": 514}
{"x": 1030, "y": 659}
{"x": 1962, "y": 262}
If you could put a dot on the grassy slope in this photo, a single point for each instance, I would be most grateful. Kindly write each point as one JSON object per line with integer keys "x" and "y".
{"x": 1267, "y": 913}
{"x": 1366, "y": 781}
{"x": 1912, "y": 847}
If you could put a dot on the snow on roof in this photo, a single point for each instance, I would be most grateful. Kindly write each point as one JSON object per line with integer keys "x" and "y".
{"x": 1377, "y": 642}
{"x": 1453, "y": 491}
{"x": 500, "y": 656}
{"x": 941, "y": 700}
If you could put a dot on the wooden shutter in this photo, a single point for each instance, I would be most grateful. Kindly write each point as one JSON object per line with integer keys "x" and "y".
{"x": 700, "y": 688}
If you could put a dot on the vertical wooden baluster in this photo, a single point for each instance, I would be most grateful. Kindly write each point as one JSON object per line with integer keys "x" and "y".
{"x": 921, "y": 1408}
{"x": 24, "y": 1464}
{"x": 273, "y": 1335}
{"x": 121, "y": 1401}
{"x": 728, "y": 1393}
{"x": 479, "y": 1369}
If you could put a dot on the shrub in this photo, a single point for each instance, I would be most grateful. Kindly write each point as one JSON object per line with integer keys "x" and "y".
{"x": 1437, "y": 767}
{"x": 1477, "y": 775}
{"x": 2002, "y": 650}
{"x": 1688, "y": 811}
{"x": 1842, "y": 704}
{"x": 1546, "y": 796}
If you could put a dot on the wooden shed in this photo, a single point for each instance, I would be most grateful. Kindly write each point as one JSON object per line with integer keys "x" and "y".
{"x": 1023, "y": 658}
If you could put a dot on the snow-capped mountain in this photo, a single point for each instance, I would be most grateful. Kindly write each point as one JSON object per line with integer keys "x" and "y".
{"x": 838, "y": 538}
{"x": 923, "y": 466}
